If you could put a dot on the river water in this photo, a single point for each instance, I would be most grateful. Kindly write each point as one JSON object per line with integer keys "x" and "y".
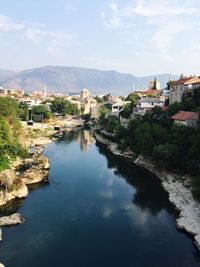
{"x": 96, "y": 211}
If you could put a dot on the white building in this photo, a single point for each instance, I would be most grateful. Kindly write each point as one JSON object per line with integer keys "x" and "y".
{"x": 11, "y": 92}
{"x": 31, "y": 102}
{"x": 146, "y": 104}
{"x": 118, "y": 106}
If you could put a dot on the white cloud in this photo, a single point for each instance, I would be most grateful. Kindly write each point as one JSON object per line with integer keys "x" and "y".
{"x": 7, "y": 24}
{"x": 34, "y": 34}
{"x": 69, "y": 5}
{"x": 154, "y": 8}
{"x": 57, "y": 41}
{"x": 156, "y": 22}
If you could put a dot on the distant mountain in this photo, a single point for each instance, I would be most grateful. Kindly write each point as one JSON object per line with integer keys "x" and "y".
{"x": 6, "y": 74}
{"x": 73, "y": 79}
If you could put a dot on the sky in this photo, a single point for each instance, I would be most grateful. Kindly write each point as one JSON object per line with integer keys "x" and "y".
{"x": 141, "y": 37}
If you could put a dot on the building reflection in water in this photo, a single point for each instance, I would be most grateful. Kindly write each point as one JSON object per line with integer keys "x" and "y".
{"x": 85, "y": 139}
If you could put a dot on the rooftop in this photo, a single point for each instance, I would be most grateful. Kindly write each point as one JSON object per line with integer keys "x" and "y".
{"x": 181, "y": 81}
{"x": 184, "y": 115}
{"x": 150, "y": 99}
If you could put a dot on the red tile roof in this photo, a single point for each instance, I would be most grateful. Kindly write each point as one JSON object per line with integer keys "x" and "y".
{"x": 148, "y": 91}
{"x": 181, "y": 81}
{"x": 183, "y": 115}
{"x": 153, "y": 92}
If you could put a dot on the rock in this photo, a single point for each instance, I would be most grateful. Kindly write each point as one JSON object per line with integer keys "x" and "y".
{"x": 113, "y": 147}
{"x": 27, "y": 163}
{"x": 0, "y": 236}
{"x": 17, "y": 189}
{"x": 197, "y": 241}
{"x": 7, "y": 177}
{"x": 13, "y": 219}
{"x": 34, "y": 175}
{"x": 180, "y": 196}
{"x": 38, "y": 172}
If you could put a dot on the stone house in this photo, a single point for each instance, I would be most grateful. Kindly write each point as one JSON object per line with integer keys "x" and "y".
{"x": 181, "y": 86}
{"x": 186, "y": 118}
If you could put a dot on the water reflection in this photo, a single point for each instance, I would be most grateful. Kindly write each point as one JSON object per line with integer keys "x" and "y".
{"x": 83, "y": 136}
{"x": 90, "y": 216}
{"x": 149, "y": 194}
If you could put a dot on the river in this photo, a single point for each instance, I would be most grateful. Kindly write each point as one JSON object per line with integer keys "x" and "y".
{"x": 96, "y": 211}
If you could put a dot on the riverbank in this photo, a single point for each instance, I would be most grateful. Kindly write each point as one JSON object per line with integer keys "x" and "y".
{"x": 179, "y": 189}
{"x": 14, "y": 182}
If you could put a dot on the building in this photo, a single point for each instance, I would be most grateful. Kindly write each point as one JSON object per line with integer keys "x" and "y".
{"x": 30, "y": 101}
{"x": 192, "y": 84}
{"x": 11, "y": 92}
{"x": 148, "y": 93}
{"x": 146, "y": 104}
{"x": 118, "y": 106}
{"x": 186, "y": 118}
{"x": 85, "y": 93}
{"x": 89, "y": 105}
{"x": 181, "y": 86}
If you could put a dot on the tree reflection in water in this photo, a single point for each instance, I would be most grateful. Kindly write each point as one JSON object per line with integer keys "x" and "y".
{"x": 149, "y": 194}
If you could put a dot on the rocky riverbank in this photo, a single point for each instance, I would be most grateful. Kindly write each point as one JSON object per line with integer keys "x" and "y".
{"x": 178, "y": 188}
{"x": 13, "y": 182}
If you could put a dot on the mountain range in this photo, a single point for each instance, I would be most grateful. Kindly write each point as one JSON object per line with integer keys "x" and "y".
{"x": 74, "y": 79}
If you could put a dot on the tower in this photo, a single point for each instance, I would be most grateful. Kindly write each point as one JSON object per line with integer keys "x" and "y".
{"x": 45, "y": 92}
{"x": 133, "y": 88}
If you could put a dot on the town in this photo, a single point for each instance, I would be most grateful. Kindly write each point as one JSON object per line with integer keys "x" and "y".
{"x": 41, "y": 105}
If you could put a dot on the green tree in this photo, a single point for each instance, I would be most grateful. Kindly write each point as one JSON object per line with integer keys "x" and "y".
{"x": 64, "y": 107}
{"x": 154, "y": 84}
{"x": 41, "y": 110}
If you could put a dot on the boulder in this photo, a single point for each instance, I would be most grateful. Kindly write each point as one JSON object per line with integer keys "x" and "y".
{"x": 34, "y": 175}
{"x": 17, "y": 189}
{"x": 7, "y": 177}
{"x": 13, "y": 219}
{"x": 38, "y": 172}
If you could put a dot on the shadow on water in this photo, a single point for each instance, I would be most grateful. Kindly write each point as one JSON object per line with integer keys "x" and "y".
{"x": 34, "y": 187}
{"x": 149, "y": 193}
{"x": 11, "y": 207}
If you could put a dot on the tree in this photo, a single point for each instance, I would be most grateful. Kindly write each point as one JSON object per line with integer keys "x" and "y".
{"x": 10, "y": 130}
{"x": 132, "y": 97}
{"x": 42, "y": 110}
{"x": 99, "y": 99}
{"x": 127, "y": 110}
{"x": 64, "y": 107}
{"x": 154, "y": 84}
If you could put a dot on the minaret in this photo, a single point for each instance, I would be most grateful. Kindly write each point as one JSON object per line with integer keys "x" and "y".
{"x": 45, "y": 92}
{"x": 133, "y": 88}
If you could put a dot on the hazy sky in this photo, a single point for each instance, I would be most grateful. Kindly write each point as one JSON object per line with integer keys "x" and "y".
{"x": 136, "y": 36}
